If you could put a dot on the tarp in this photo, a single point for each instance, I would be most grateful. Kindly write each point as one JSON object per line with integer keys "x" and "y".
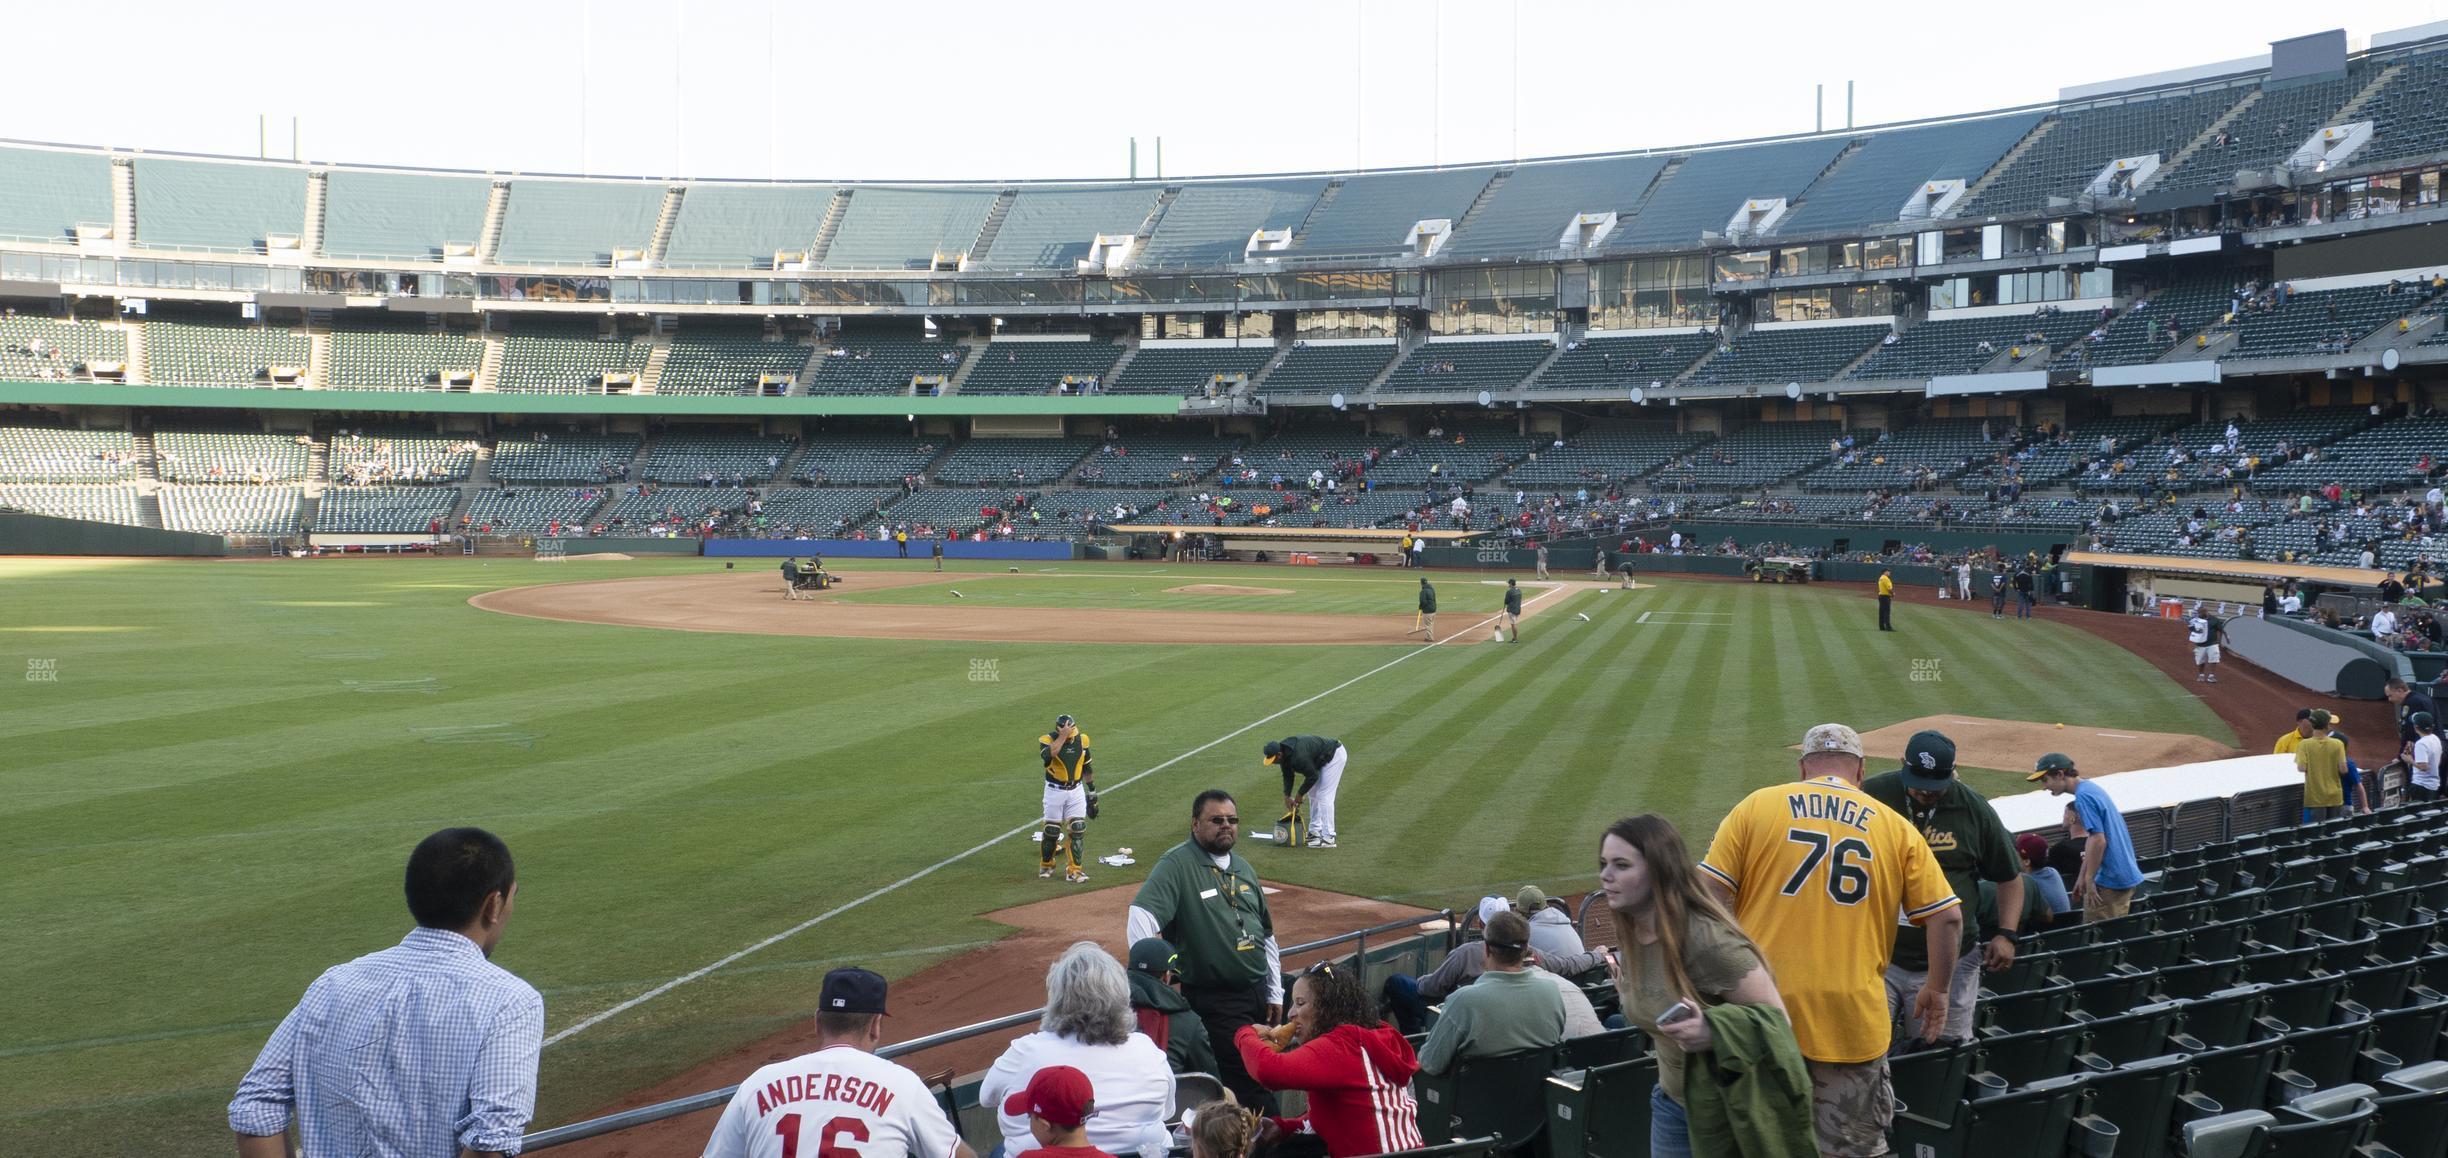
{"x": 2149, "y": 788}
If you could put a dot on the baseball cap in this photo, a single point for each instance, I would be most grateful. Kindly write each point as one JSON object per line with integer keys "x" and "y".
{"x": 1058, "y": 1094}
{"x": 1063, "y": 719}
{"x": 1152, "y": 955}
{"x": 1832, "y": 738}
{"x": 2320, "y": 717}
{"x": 851, "y": 991}
{"x": 1274, "y": 751}
{"x": 2033, "y": 847}
{"x": 2053, "y": 762}
{"x": 2303, "y": 713}
{"x": 1490, "y": 906}
{"x": 1929, "y": 761}
{"x": 2421, "y": 719}
{"x": 1530, "y": 900}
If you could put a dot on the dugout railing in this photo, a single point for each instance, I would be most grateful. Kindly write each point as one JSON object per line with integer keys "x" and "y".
{"x": 1398, "y": 955}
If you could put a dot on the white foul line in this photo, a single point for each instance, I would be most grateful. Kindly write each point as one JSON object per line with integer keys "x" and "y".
{"x": 595, "y": 1019}
{"x": 1644, "y": 617}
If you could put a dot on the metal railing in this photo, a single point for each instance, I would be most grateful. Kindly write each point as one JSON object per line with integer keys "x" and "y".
{"x": 643, "y": 1115}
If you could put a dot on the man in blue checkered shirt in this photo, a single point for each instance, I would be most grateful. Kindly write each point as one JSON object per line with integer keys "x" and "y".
{"x": 423, "y": 1050}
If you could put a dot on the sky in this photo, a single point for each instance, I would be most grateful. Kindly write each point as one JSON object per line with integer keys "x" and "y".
{"x": 963, "y": 90}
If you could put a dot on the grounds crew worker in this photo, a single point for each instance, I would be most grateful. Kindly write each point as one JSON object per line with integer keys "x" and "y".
{"x": 1973, "y": 848}
{"x": 1427, "y": 609}
{"x": 1513, "y": 610}
{"x": 1070, "y": 796}
{"x": 1319, "y": 763}
{"x": 1204, "y": 899}
{"x": 1886, "y": 588}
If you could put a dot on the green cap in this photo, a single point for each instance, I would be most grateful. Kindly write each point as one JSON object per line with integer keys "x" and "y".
{"x": 2053, "y": 762}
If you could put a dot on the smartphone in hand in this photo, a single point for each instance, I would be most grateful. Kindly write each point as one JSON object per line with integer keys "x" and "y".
{"x": 1674, "y": 1013}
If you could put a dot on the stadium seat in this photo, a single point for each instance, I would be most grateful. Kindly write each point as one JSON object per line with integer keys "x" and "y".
{"x": 2382, "y": 986}
{"x": 2243, "y": 1077}
{"x": 2412, "y": 1034}
{"x": 2331, "y": 1055}
{"x": 2144, "y": 1101}
{"x": 1604, "y": 1049}
{"x": 2332, "y": 1123}
{"x": 2144, "y": 1032}
{"x": 2413, "y": 1105}
{"x": 1500, "y": 1095}
{"x": 2231, "y": 1016}
{"x": 2157, "y": 951}
{"x": 2309, "y": 1002}
{"x": 2114, "y": 993}
{"x": 1930, "y": 1083}
{"x": 2020, "y": 1059}
{"x": 1606, "y": 1108}
{"x": 2029, "y": 971}
{"x": 2199, "y": 978}
{"x": 2030, "y": 1009}
{"x": 2036, "y": 1120}
{"x": 1467, "y": 1148}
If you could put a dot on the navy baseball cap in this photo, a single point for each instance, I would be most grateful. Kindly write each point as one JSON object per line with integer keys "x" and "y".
{"x": 851, "y": 991}
{"x": 1274, "y": 751}
{"x": 1929, "y": 762}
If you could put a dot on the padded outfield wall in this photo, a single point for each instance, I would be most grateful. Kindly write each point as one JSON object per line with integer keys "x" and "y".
{"x": 24, "y": 534}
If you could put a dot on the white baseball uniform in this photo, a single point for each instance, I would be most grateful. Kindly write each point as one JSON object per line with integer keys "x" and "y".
{"x": 1063, "y": 805}
{"x": 839, "y": 1100}
{"x": 1322, "y": 797}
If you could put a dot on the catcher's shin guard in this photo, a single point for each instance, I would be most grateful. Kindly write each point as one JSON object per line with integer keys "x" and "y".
{"x": 1047, "y": 840}
{"x": 1076, "y": 845}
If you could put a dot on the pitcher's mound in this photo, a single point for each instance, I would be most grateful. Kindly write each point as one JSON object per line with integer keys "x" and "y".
{"x": 1224, "y": 589}
{"x": 2013, "y": 745}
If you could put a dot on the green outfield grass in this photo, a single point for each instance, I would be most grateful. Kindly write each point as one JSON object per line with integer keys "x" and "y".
{"x": 216, "y": 771}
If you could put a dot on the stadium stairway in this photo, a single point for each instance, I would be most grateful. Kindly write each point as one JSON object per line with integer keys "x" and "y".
{"x": 1130, "y": 350}
{"x": 807, "y": 372}
{"x": 969, "y": 361}
{"x": 2005, "y": 164}
{"x": 829, "y": 227}
{"x": 789, "y": 469}
{"x": 488, "y": 239}
{"x": 656, "y": 355}
{"x": 123, "y": 204}
{"x": 1301, "y": 233}
{"x": 1155, "y": 220}
{"x": 661, "y": 244}
{"x": 148, "y": 459}
{"x": 319, "y": 355}
{"x": 139, "y": 357}
{"x": 310, "y": 240}
{"x": 992, "y": 226}
{"x": 1406, "y": 344}
{"x": 488, "y": 371}
{"x": 2209, "y": 133}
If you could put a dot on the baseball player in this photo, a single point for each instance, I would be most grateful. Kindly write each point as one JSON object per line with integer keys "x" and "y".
{"x": 1512, "y": 610}
{"x": 2204, "y": 631}
{"x": 1070, "y": 797}
{"x": 1427, "y": 610}
{"x": 1963, "y": 579}
{"x": 1319, "y": 762}
{"x": 1542, "y": 560}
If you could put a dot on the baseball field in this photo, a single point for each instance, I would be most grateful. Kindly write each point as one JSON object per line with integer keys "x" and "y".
{"x": 215, "y": 771}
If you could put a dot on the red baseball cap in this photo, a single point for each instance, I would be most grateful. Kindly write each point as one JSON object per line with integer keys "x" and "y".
{"x": 1058, "y": 1094}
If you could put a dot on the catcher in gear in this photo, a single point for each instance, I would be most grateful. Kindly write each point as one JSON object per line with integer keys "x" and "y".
{"x": 1070, "y": 797}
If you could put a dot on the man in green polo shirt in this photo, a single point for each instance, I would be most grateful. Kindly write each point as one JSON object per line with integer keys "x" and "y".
{"x": 1972, "y": 845}
{"x": 1508, "y": 1008}
{"x": 1206, "y": 900}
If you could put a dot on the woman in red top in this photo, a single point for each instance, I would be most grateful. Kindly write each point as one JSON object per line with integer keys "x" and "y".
{"x": 1355, "y": 1068}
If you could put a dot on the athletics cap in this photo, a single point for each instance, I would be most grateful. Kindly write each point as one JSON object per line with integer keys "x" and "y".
{"x": 1058, "y": 1094}
{"x": 1929, "y": 762}
{"x": 851, "y": 991}
{"x": 2421, "y": 721}
{"x": 1152, "y": 955}
{"x": 1274, "y": 751}
{"x": 1832, "y": 738}
{"x": 2053, "y": 762}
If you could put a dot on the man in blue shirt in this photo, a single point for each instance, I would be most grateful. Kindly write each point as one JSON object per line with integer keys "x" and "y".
{"x": 424, "y": 1050}
{"x": 2109, "y": 871}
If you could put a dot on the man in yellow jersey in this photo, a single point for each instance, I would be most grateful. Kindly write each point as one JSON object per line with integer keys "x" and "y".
{"x": 1070, "y": 796}
{"x": 1817, "y": 874}
{"x": 2301, "y": 732}
{"x": 1886, "y": 599}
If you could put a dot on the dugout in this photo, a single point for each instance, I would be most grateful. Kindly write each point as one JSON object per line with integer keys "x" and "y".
{"x": 1322, "y": 545}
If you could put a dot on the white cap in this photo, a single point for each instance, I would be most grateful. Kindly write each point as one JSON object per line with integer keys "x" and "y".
{"x": 1490, "y": 906}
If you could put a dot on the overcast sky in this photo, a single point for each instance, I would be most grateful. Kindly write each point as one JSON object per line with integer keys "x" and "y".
{"x": 955, "y": 89}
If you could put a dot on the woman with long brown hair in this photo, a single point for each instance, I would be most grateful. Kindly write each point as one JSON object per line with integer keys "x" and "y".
{"x": 1675, "y": 945}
